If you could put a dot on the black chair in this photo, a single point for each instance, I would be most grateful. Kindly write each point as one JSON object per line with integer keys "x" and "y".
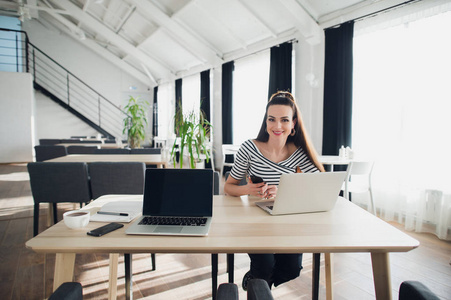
{"x": 119, "y": 178}
{"x": 216, "y": 183}
{"x": 415, "y": 290}
{"x": 68, "y": 291}
{"x": 112, "y": 151}
{"x": 82, "y": 149}
{"x": 116, "y": 178}
{"x": 49, "y": 151}
{"x": 57, "y": 182}
{"x": 71, "y": 141}
{"x": 49, "y": 141}
{"x": 146, "y": 151}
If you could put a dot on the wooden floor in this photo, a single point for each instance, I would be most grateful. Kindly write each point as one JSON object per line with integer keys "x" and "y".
{"x": 27, "y": 275}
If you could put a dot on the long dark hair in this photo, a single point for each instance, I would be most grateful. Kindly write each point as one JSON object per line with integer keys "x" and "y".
{"x": 300, "y": 138}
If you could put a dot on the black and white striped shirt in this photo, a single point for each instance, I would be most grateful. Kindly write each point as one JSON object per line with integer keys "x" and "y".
{"x": 250, "y": 161}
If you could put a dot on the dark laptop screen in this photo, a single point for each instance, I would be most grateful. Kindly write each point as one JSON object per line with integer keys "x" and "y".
{"x": 178, "y": 192}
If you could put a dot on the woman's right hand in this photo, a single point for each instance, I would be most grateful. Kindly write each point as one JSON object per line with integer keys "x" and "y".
{"x": 257, "y": 189}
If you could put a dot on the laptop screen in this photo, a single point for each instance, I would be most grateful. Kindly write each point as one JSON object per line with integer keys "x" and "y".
{"x": 178, "y": 192}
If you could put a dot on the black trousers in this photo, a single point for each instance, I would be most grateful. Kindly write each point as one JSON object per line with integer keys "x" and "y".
{"x": 276, "y": 268}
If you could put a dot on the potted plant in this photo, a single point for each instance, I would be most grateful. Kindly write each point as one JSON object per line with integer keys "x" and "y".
{"x": 136, "y": 121}
{"x": 193, "y": 132}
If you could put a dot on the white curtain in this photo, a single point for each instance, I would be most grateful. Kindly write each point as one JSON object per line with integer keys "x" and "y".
{"x": 402, "y": 118}
{"x": 250, "y": 95}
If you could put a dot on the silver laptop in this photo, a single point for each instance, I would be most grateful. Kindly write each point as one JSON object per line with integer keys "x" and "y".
{"x": 176, "y": 202}
{"x": 304, "y": 193}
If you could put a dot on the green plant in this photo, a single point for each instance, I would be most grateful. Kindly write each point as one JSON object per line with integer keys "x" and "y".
{"x": 135, "y": 122}
{"x": 194, "y": 133}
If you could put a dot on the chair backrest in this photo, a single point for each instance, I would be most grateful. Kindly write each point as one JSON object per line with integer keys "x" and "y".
{"x": 146, "y": 151}
{"x": 228, "y": 149}
{"x": 59, "y": 182}
{"x": 112, "y": 151}
{"x": 71, "y": 141}
{"x": 361, "y": 168}
{"x": 81, "y": 149}
{"x": 116, "y": 178}
{"x": 216, "y": 183}
{"x": 49, "y": 141}
{"x": 48, "y": 152}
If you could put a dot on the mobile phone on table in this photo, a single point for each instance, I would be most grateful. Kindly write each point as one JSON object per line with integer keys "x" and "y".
{"x": 105, "y": 229}
{"x": 256, "y": 179}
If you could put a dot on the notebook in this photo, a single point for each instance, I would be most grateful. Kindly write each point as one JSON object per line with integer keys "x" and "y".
{"x": 176, "y": 202}
{"x": 304, "y": 193}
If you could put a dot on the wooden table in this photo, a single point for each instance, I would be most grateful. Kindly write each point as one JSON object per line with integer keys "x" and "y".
{"x": 240, "y": 227}
{"x": 148, "y": 159}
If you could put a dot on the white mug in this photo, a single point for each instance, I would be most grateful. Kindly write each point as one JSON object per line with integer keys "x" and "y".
{"x": 76, "y": 218}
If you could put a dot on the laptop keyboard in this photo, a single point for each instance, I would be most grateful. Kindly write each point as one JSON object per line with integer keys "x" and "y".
{"x": 176, "y": 221}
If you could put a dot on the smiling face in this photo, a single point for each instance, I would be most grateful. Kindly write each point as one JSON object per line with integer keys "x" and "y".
{"x": 279, "y": 121}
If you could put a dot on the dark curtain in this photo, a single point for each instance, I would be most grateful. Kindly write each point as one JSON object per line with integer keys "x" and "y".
{"x": 205, "y": 93}
{"x": 205, "y": 101}
{"x": 337, "y": 114}
{"x": 280, "y": 68}
{"x": 155, "y": 112}
{"x": 227, "y": 92}
{"x": 178, "y": 96}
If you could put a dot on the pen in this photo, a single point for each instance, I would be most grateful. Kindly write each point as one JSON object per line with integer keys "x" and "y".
{"x": 112, "y": 213}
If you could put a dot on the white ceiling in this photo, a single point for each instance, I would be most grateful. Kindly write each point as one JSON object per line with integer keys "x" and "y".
{"x": 161, "y": 40}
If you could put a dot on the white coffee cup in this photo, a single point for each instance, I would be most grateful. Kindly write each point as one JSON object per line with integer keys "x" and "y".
{"x": 76, "y": 218}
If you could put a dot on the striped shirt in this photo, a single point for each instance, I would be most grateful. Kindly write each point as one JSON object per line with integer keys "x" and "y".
{"x": 249, "y": 160}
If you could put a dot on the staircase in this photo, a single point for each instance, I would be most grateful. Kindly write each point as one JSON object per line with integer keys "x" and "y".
{"x": 18, "y": 54}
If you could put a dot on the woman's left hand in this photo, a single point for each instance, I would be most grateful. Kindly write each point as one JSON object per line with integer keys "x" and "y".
{"x": 271, "y": 191}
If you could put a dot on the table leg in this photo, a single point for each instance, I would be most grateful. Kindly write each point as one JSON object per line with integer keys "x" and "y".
{"x": 381, "y": 274}
{"x": 230, "y": 266}
{"x": 64, "y": 269}
{"x": 128, "y": 276}
{"x": 112, "y": 284}
{"x": 315, "y": 275}
{"x": 329, "y": 275}
{"x": 214, "y": 274}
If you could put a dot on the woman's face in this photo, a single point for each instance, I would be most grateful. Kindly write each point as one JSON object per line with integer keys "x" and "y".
{"x": 279, "y": 121}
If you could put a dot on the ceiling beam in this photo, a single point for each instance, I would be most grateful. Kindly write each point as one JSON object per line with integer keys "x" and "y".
{"x": 72, "y": 30}
{"x": 88, "y": 21}
{"x": 306, "y": 25}
{"x": 184, "y": 37}
{"x": 259, "y": 20}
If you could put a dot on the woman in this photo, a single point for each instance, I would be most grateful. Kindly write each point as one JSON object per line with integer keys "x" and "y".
{"x": 282, "y": 146}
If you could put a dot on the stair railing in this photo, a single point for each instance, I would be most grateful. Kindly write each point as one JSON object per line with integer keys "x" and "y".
{"x": 18, "y": 54}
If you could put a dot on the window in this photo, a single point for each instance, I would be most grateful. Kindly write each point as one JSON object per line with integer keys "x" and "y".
{"x": 191, "y": 94}
{"x": 165, "y": 110}
{"x": 250, "y": 95}
{"x": 401, "y": 106}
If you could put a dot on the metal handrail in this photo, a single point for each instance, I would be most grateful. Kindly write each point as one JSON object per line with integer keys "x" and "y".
{"x": 68, "y": 88}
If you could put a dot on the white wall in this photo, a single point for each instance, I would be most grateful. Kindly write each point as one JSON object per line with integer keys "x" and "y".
{"x": 54, "y": 122}
{"x": 16, "y": 117}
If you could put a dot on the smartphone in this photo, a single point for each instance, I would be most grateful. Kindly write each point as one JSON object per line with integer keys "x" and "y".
{"x": 105, "y": 229}
{"x": 256, "y": 179}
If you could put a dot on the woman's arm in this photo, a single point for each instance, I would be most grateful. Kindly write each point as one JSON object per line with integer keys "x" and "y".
{"x": 233, "y": 188}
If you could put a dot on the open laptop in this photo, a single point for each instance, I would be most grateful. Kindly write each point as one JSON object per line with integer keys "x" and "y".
{"x": 176, "y": 202}
{"x": 304, "y": 193}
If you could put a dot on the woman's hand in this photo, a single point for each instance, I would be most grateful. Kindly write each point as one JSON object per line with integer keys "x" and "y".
{"x": 257, "y": 189}
{"x": 271, "y": 191}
